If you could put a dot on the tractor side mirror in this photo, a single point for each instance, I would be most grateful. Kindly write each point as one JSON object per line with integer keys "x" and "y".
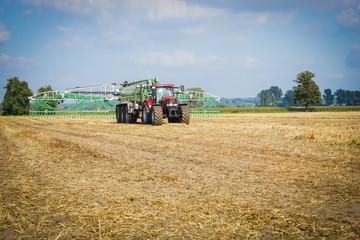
{"x": 182, "y": 88}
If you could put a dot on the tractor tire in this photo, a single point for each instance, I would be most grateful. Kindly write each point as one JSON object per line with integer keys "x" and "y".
{"x": 118, "y": 113}
{"x": 125, "y": 114}
{"x": 185, "y": 114}
{"x": 132, "y": 118}
{"x": 121, "y": 113}
{"x": 156, "y": 116}
{"x": 145, "y": 114}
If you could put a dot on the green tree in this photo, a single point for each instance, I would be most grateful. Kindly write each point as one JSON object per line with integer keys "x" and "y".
{"x": 347, "y": 97}
{"x": 340, "y": 95}
{"x": 276, "y": 92}
{"x": 328, "y": 97}
{"x": 270, "y": 97}
{"x": 50, "y": 94}
{"x": 356, "y": 98}
{"x": 306, "y": 91}
{"x": 266, "y": 98}
{"x": 289, "y": 98}
{"x": 16, "y": 100}
{"x": 195, "y": 89}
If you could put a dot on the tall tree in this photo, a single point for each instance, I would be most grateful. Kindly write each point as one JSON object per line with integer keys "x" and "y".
{"x": 328, "y": 97}
{"x": 289, "y": 98}
{"x": 16, "y": 100}
{"x": 266, "y": 98}
{"x": 306, "y": 91}
{"x": 277, "y": 94}
{"x": 356, "y": 97}
{"x": 270, "y": 97}
{"x": 340, "y": 96}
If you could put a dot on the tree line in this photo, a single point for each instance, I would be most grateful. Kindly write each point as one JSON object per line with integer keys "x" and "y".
{"x": 307, "y": 93}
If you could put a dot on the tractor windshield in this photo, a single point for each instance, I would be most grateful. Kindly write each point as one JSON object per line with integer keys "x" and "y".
{"x": 164, "y": 91}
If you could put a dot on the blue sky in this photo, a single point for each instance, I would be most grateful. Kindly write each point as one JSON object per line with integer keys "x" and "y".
{"x": 230, "y": 48}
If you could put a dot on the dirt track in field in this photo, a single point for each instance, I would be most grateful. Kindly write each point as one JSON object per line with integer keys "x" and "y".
{"x": 242, "y": 176}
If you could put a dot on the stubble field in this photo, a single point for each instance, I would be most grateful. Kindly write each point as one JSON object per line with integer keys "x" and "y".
{"x": 246, "y": 176}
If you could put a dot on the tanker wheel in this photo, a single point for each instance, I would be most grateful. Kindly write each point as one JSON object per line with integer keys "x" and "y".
{"x": 132, "y": 118}
{"x": 145, "y": 114}
{"x": 125, "y": 114}
{"x": 118, "y": 113}
{"x": 156, "y": 115}
{"x": 185, "y": 114}
{"x": 121, "y": 113}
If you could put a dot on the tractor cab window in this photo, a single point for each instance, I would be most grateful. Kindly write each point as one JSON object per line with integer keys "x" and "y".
{"x": 163, "y": 91}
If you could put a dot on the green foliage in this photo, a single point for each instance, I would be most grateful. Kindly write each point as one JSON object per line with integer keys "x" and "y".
{"x": 239, "y": 102}
{"x": 16, "y": 100}
{"x": 347, "y": 97}
{"x": 328, "y": 97}
{"x": 307, "y": 91}
{"x": 276, "y": 92}
{"x": 288, "y": 98}
{"x": 266, "y": 98}
{"x": 270, "y": 97}
{"x": 45, "y": 89}
{"x": 195, "y": 89}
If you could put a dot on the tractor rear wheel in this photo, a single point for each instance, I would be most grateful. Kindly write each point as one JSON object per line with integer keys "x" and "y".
{"x": 156, "y": 116}
{"x": 185, "y": 114}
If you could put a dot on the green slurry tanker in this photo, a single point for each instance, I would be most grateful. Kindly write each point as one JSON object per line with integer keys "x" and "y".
{"x": 150, "y": 101}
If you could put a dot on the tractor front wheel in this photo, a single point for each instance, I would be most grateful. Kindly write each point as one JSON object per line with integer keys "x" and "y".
{"x": 156, "y": 115}
{"x": 185, "y": 114}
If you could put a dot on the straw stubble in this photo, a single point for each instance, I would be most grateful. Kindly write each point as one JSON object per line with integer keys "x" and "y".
{"x": 243, "y": 176}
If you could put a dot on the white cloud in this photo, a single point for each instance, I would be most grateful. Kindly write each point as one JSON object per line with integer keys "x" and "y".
{"x": 337, "y": 76}
{"x": 109, "y": 9}
{"x": 194, "y": 31}
{"x": 177, "y": 58}
{"x": 353, "y": 58}
{"x": 173, "y": 9}
{"x": 349, "y": 18}
{"x": 4, "y": 34}
{"x": 63, "y": 29}
{"x": 74, "y": 6}
{"x": 114, "y": 37}
{"x": 9, "y": 62}
{"x": 250, "y": 62}
{"x": 4, "y": 58}
{"x": 261, "y": 18}
{"x": 302, "y": 62}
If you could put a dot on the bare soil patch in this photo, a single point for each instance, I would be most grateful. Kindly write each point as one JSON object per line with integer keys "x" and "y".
{"x": 248, "y": 176}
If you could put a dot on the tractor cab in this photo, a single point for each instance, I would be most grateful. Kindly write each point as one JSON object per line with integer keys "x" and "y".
{"x": 162, "y": 92}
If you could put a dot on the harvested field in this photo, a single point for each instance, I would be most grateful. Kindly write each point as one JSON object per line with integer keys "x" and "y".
{"x": 247, "y": 176}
